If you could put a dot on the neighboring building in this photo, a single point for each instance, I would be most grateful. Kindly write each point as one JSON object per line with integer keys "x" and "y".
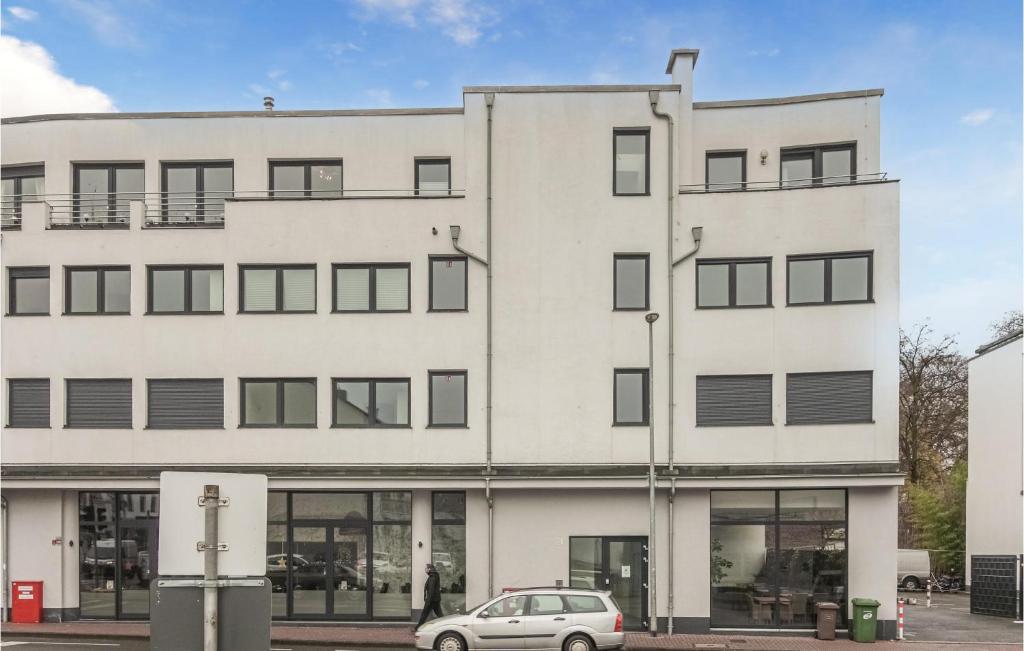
{"x": 995, "y": 450}
{"x": 278, "y": 292}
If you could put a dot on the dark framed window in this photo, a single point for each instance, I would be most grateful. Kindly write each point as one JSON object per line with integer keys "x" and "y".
{"x": 18, "y": 184}
{"x": 97, "y": 290}
{"x": 829, "y": 398}
{"x": 830, "y": 278}
{"x": 448, "y": 397}
{"x": 725, "y": 170}
{"x": 631, "y": 161}
{"x": 185, "y": 403}
{"x": 185, "y": 289}
{"x": 102, "y": 191}
{"x": 734, "y": 400}
{"x": 28, "y": 402}
{"x": 306, "y": 178}
{"x": 433, "y": 176}
{"x": 371, "y": 402}
{"x": 448, "y": 507}
{"x": 735, "y": 282}
{"x": 28, "y": 291}
{"x": 278, "y": 402}
{"x": 631, "y": 403}
{"x": 818, "y": 165}
{"x": 448, "y": 547}
{"x": 98, "y": 404}
{"x": 380, "y": 287}
{"x": 275, "y": 288}
{"x": 776, "y": 554}
{"x": 632, "y": 280}
{"x": 449, "y": 286}
{"x": 195, "y": 192}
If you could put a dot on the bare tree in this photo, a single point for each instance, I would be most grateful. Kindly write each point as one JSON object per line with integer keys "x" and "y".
{"x": 933, "y": 404}
{"x": 1010, "y": 323}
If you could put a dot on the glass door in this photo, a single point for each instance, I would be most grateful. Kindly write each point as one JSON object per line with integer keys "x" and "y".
{"x": 625, "y": 574}
{"x": 351, "y": 574}
{"x": 309, "y": 571}
{"x": 137, "y": 565}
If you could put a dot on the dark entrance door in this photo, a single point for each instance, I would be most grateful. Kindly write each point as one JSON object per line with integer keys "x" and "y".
{"x": 329, "y": 573}
{"x": 615, "y": 563}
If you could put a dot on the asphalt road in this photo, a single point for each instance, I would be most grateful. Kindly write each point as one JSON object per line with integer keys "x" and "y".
{"x": 121, "y": 644}
{"x": 950, "y": 620}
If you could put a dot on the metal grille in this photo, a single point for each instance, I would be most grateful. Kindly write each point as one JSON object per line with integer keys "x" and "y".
{"x": 29, "y": 403}
{"x": 186, "y": 404}
{"x": 824, "y": 398}
{"x": 734, "y": 400}
{"x": 99, "y": 403}
{"x": 994, "y": 589}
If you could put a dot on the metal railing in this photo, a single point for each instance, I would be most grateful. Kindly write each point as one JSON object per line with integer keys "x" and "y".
{"x": 787, "y": 184}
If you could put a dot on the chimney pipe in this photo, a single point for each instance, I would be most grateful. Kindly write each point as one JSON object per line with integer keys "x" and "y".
{"x": 268, "y": 103}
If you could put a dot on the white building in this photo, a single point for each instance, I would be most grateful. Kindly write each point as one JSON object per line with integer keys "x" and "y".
{"x": 995, "y": 454}
{"x": 403, "y": 413}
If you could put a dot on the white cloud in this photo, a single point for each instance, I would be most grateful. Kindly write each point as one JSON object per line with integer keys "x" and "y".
{"x": 420, "y": 84}
{"x": 770, "y": 52}
{"x": 276, "y": 73}
{"x": 23, "y": 13}
{"x": 30, "y": 84}
{"x": 259, "y": 89}
{"x": 105, "y": 22}
{"x": 381, "y": 97}
{"x": 462, "y": 21}
{"x": 977, "y": 117}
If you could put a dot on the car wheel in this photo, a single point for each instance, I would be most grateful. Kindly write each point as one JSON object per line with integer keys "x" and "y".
{"x": 578, "y": 643}
{"x": 450, "y": 642}
{"x": 911, "y": 583}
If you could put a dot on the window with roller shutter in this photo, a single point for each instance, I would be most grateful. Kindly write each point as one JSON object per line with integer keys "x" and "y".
{"x": 185, "y": 404}
{"x": 734, "y": 400}
{"x": 277, "y": 288}
{"x": 371, "y": 287}
{"x": 829, "y": 398}
{"x": 98, "y": 404}
{"x": 28, "y": 402}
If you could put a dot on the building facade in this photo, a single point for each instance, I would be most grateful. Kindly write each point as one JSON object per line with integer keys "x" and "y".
{"x": 427, "y": 327}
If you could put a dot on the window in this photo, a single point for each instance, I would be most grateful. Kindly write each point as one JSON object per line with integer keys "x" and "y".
{"x": 195, "y": 192}
{"x": 102, "y": 191}
{"x": 185, "y": 404}
{"x": 546, "y": 604}
{"x": 97, "y": 290}
{"x": 632, "y": 401}
{"x": 433, "y": 177}
{"x": 17, "y": 185}
{"x": 278, "y": 402}
{"x": 28, "y": 290}
{"x": 725, "y": 170}
{"x": 507, "y": 607}
{"x": 186, "y": 289}
{"x": 632, "y": 280}
{"x": 98, "y": 404}
{"x": 775, "y": 554}
{"x": 448, "y": 548}
{"x": 579, "y": 603}
{"x": 277, "y": 288}
{"x": 831, "y": 164}
{"x": 311, "y": 178}
{"x": 734, "y": 400}
{"x": 371, "y": 287}
{"x": 827, "y": 398}
{"x": 28, "y": 403}
{"x": 371, "y": 403}
{"x": 448, "y": 284}
{"x": 828, "y": 278}
{"x": 447, "y": 398}
{"x": 632, "y": 161}
{"x": 741, "y": 282}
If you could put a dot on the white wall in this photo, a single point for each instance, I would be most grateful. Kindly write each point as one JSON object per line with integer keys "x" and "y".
{"x": 36, "y": 518}
{"x": 871, "y": 545}
{"x": 995, "y": 471}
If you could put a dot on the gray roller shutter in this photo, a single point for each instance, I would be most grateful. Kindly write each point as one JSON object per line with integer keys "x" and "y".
{"x": 734, "y": 400}
{"x": 99, "y": 404}
{"x": 186, "y": 404}
{"x": 29, "y": 403}
{"x": 824, "y": 398}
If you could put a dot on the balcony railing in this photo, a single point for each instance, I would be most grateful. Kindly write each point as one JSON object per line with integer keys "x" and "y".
{"x": 788, "y": 184}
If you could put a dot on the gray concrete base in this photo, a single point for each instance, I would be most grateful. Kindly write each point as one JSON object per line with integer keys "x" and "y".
{"x": 176, "y": 617}
{"x": 685, "y": 625}
{"x": 885, "y": 629}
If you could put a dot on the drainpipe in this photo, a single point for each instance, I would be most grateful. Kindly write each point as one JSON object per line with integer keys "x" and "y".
{"x": 6, "y": 538}
{"x": 490, "y": 537}
{"x": 671, "y": 553}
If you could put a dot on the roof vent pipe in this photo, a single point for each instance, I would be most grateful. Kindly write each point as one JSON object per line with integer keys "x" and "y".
{"x": 268, "y": 103}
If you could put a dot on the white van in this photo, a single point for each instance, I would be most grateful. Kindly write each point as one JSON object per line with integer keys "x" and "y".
{"x": 913, "y": 568}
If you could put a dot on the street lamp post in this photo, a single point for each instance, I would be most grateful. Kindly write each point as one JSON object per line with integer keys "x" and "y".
{"x": 652, "y": 616}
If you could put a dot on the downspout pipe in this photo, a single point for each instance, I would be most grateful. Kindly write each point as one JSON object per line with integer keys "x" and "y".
{"x": 6, "y": 539}
{"x": 490, "y": 537}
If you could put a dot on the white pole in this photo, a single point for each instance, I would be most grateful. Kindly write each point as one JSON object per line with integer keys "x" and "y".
{"x": 211, "y": 500}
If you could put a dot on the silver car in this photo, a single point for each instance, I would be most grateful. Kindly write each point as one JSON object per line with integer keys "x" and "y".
{"x": 562, "y": 619}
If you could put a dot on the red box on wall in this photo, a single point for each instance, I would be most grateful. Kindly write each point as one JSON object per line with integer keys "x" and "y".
{"x": 26, "y": 602}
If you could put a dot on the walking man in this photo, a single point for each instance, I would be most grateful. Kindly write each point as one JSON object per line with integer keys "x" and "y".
{"x": 431, "y": 596}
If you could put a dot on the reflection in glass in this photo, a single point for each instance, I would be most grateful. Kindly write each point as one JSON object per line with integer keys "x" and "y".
{"x": 448, "y": 551}
{"x": 277, "y": 563}
{"x": 449, "y": 507}
{"x": 351, "y": 403}
{"x": 309, "y": 570}
{"x": 625, "y": 582}
{"x": 218, "y": 183}
{"x": 93, "y": 201}
{"x": 33, "y": 295}
{"x": 349, "y": 571}
{"x": 180, "y": 186}
{"x": 630, "y": 163}
{"x": 129, "y": 184}
{"x": 207, "y": 290}
{"x": 392, "y": 570}
{"x": 260, "y": 403}
{"x": 277, "y": 506}
{"x": 391, "y": 403}
{"x": 585, "y": 563}
{"x": 742, "y": 505}
{"x": 806, "y": 281}
{"x": 96, "y": 572}
{"x": 392, "y": 505}
{"x": 328, "y": 506}
{"x": 325, "y": 180}
{"x": 137, "y": 567}
{"x": 300, "y": 403}
{"x": 849, "y": 279}
{"x": 812, "y": 505}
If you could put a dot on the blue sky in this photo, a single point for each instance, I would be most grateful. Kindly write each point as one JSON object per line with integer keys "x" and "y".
{"x": 951, "y": 115}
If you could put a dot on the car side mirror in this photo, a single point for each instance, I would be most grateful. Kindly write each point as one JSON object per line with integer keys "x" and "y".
{"x": 483, "y": 614}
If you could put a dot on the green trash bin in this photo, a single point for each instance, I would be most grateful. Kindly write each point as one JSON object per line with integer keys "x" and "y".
{"x": 865, "y": 618}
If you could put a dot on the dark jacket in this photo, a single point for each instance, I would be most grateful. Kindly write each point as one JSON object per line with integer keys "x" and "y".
{"x": 432, "y": 588}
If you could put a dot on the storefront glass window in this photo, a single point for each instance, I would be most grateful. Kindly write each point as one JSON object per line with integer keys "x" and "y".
{"x": 448, "y": 549}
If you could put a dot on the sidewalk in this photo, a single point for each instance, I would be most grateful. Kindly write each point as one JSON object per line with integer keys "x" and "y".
{"x": 393, "y": 636}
